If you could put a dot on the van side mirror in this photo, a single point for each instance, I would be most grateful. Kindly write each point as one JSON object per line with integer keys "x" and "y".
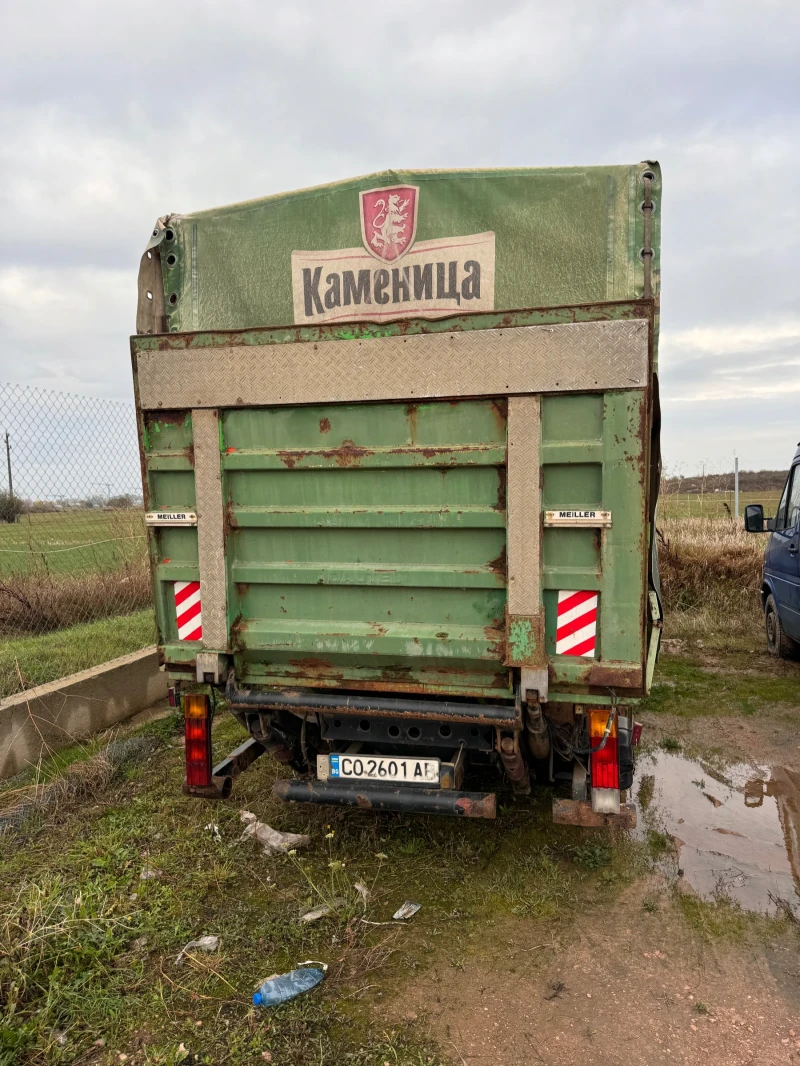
{"x": 754, "y": 518}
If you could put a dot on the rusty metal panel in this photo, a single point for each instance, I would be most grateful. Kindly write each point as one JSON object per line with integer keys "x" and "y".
{"x": 525, "y": 359}
{"x": 366, "y": 544}
{"x": 210, "y": 540}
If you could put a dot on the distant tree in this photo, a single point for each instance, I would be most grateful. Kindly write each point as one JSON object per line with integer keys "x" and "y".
{"x": 120, "y": 503}
{"x": 11, "y": 507}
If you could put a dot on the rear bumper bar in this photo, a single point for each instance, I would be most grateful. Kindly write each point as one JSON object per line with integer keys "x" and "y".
{"x": 496, "y": 714}
{"x": 388, "y": 798}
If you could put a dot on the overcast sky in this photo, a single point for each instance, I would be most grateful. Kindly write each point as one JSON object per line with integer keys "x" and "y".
{"x": 116, "y": 113}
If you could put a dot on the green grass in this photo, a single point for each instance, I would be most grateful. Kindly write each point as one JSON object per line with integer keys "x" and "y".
{"x": 712, "y": 504}
{"x": 87, "y": 949}
{"x": 51, "y": 656}
{"x": 72, "y": 542}
{"x": 684, "y": 688}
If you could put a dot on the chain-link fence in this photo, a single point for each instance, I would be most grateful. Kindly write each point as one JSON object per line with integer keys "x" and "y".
{"x": 709, "y": 492}
{"x": 72, "y": 539}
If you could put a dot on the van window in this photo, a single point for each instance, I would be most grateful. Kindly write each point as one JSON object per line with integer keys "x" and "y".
{"x": 793, "y": 507}
{"x": 780, "y": 514}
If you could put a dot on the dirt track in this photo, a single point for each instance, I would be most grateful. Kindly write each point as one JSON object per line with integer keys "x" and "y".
{"x": 648, "y": 975}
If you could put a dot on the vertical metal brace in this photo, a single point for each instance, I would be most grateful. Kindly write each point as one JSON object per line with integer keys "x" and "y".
{"x": 647, "y": 250}
{"x": 525, "y": 616}
{"x": 210, "y": 528}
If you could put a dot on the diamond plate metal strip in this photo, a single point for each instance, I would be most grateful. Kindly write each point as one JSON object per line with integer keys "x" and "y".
{"x": 524, "y": 359}
{"x": 524, "y": 504}
{"x": 525, "y": 631}
{"x": 210, "y": 528}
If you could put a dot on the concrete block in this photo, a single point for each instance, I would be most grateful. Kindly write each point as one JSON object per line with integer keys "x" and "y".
{"x": 40, "y": 720}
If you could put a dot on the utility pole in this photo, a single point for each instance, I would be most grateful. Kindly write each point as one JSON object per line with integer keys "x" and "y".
{"x": 735, "y": 485}
{"x": 8, "y": 464}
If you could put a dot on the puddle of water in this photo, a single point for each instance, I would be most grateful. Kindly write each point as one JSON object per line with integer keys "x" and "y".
{"x": 738, "y": 838}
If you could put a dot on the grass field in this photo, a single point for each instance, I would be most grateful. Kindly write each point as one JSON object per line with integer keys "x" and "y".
{"x": 72, "y": 542}
{"x": 713, "y": 504}
{"x": 49, "y": 656}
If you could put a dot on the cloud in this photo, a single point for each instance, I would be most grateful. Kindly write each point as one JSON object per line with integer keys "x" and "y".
{"x": 68, "y": 328}
{"x": 722, "y": 339}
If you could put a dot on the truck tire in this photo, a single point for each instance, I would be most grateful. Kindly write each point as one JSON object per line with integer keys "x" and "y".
{"x": 777, "y": 642}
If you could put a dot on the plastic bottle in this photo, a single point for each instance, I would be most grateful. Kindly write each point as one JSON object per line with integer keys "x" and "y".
{"x": 286, "y": 986}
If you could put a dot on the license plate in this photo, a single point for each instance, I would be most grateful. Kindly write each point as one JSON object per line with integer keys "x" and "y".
{"x": 385, "y": 768}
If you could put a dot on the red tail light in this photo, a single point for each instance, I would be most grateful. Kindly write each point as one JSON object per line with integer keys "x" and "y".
{"x": 605, "y": 760}
{"x": 197, "y": 725}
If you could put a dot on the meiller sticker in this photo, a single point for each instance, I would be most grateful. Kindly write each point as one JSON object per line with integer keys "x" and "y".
{"x": 392, "y": 276}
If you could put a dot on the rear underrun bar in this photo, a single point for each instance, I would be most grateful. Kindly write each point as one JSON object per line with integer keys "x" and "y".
{"x": 505, "y": 715}
{"x": 388, "y": 798}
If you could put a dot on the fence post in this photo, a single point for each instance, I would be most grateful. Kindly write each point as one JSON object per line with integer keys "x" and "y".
{"x": 8, "y": 463}
{"x": 735, "y": 485}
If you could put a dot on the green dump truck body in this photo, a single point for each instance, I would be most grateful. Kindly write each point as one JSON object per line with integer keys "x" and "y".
{"x": 399, "y": 434}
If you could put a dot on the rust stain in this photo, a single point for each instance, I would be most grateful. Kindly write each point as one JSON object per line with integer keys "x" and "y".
{"x": 499, "y": 407}
{"x": 497, "y": 642}
{"x": 502, "y": 479}
{"x": 167, "y": 418}
{"x": 411, "y": 413}
{"x": 347, "y": 454}
{"x": 441, "y": 636}
{"x": 324, "y": 425}
{"x": 290, "y": 459}
{"x": 238, "y": 627}
{"x": 631, "y": 309}
{"x": 603, "y": 676}
{"x": 229, "y": 522}
{"x": 499, "y": 566}
{"x": 363, "y": 801}
{"x": 378, "y": 629}
{"x": 316, "y": 669}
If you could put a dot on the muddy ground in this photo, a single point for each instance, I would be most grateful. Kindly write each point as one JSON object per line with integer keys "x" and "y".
{"x": 535, "y": 943}
{"x": 670, "y": 968}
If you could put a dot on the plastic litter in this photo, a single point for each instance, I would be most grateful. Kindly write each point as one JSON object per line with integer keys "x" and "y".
{"x": 323, "y": 911}
{"x": 275, "y": 843}
{"x": 362, "y": 890}
{"x": 282, "y": 987}
{"x": 205, "y": 943}
{"x": 150, "y": 873}
{"x": 213, "y": 829}
{"x": 408, "y": 910}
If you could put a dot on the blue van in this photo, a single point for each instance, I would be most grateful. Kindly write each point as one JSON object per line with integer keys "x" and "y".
{"x": 780, "y": 584}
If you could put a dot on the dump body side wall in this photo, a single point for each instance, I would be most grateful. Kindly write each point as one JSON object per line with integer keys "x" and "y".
{"x": 366, "y": 544}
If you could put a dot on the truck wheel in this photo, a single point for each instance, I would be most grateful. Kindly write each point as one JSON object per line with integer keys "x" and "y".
{"x": 777, "y": 641}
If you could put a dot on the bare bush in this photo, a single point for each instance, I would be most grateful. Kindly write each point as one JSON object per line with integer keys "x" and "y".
{"x": 11, "y": 507}
{"x": 40, "y": 603}
{"x": 710, "y": 574}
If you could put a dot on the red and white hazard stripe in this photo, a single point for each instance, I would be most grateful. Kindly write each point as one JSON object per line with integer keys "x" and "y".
{"x": 187, "y": 610}
{"x": 576, "y": 625}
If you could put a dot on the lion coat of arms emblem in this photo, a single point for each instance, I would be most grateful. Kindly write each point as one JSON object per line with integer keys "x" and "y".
{"x": 389, "y": 221}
